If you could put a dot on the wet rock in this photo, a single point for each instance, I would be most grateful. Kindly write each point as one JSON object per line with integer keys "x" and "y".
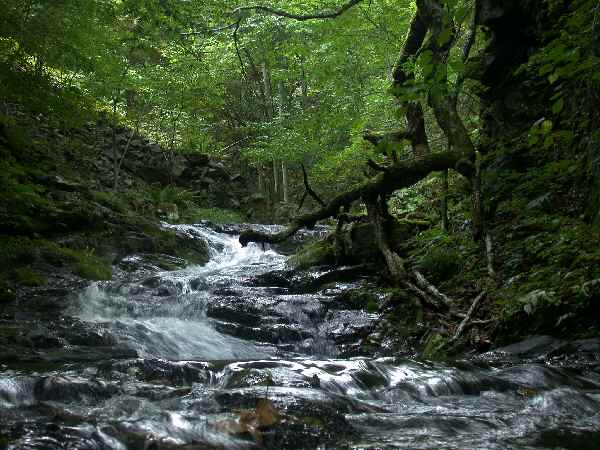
{"x": 534, "y": 347}
{"x": 152, "y": 282}
{"x": 174, "y": 373}
{"x": 319, "y": 253}
{"x": 343, "y": 325}
{"x": 66, "y": 390}
{"x": 362, "y": 297}
{"x": 247, "y": 316}
{"x": 81, "y": 354}
{"x": 312, "y": 283}
{"x": 278, "y": 278}
{"x": 272, "y": 333}
{"x": 198, "y": 284}
{"x": 43, "y": 338}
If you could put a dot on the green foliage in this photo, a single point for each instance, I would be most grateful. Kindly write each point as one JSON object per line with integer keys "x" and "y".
{"x": 4, "y": 441}
{"x": 218, "y": 215}
{"x": 91, "y": 267}
{"x": 440, "y": 263}
{"x": 313, "y": 254}
{"x": 21, "y": 258}
{"x": 26, "y": 276}
{"x": 114, "y": 200}
{"x": 172, "y": 194}
{"x": 441, "y": 256}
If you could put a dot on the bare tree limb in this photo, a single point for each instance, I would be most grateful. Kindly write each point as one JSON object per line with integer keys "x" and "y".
{"x": 403, "y": 174}
{"x": 378, "y": 214}
{"x": 278, "y": 12}
{"x": 426, "y": 299}
{"x": 212, "y": 30}
{"x": 489, "y": 251}
{"x": 301, "y": 203}
{"x": 426, "y": 285}
{"x": 469, "y": 315}
{"x": 237, "y": 49}
{"x": 309, "y": 190}
{"x": 464, "y": 323}
{"x": 267, "y": 10}
{"x": 239, "y": 141}
{"x": 466, "y": 51}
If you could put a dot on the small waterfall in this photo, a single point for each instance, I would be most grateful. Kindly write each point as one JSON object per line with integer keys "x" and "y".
{"x": 164, "y": 315}
{"x": 212, "y": 340}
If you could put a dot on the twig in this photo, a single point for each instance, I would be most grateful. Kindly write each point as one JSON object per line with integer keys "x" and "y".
{"x": 302, "y": 200}
{"x": 211, "y": 30}
{"x": 237, "y": 48}
{"x": 309, "y": 190}
{"x": 239, "y": 141}
{"x": 422, "y": 281}
{"x": 426, "y": 299}
{"x": 464, "y": 322}
{"x": 278, "y": 12}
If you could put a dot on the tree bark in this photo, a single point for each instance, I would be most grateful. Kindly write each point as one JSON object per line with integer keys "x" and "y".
{"x": 301, "y": 17}
{"x": 431, "y": 16}
{"x": 403, "y": 174}
{"x": 114, "y": 145}
{"x": 377, "y": 212}
{"x": 275, "y": 182}
{"x": 282, "y": 108}
{"x": 284, "y": 182}
{"x": 444, "y": 205}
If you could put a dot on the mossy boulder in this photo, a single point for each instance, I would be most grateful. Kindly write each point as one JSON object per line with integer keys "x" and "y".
{"x": 318, "y": 253}
{"x": 363, "y": 246}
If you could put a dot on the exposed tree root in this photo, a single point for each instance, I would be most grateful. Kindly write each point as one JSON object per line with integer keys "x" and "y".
{"x": 463, "y": 325}
{"x": 424, "y": 284}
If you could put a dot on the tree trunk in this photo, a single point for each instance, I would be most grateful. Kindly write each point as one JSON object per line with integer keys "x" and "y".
{"x": 477, "y": 213}
{"x": 432, "y": 20}
{"x": 303, "y": 86}
{"x": 284, "y": 182}
{"x": 114, "y": 147}
{"x": 403, "y": 174}
{"x": 444, "y": 205}
{"x": 282, "y": 107}
{"x": 378, "y": 216}
{"x": 268, "y": 106}
{"x": 275, "y": 182}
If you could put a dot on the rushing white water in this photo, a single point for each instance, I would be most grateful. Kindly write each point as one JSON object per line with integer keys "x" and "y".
{"x": 175, "y": 326}
{"x": 212, "y": 340}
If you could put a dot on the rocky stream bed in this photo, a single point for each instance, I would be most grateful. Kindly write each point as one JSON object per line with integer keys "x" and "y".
{"x": 243, "y": 352}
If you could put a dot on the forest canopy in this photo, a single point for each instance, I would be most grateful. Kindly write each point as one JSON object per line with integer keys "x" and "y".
{"x": 280, "y": 85}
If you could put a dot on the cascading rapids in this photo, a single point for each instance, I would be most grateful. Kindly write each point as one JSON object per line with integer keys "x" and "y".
{"x": 171, "y": 323}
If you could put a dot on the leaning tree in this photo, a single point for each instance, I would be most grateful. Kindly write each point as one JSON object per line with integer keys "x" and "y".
{"x": 432, "y": 34}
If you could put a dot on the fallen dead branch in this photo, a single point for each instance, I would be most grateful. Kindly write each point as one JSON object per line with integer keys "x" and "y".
{"x": 461, "y": 327}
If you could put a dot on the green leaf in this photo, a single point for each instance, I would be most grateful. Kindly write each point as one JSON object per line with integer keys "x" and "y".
{"x": 558, "y": 105}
